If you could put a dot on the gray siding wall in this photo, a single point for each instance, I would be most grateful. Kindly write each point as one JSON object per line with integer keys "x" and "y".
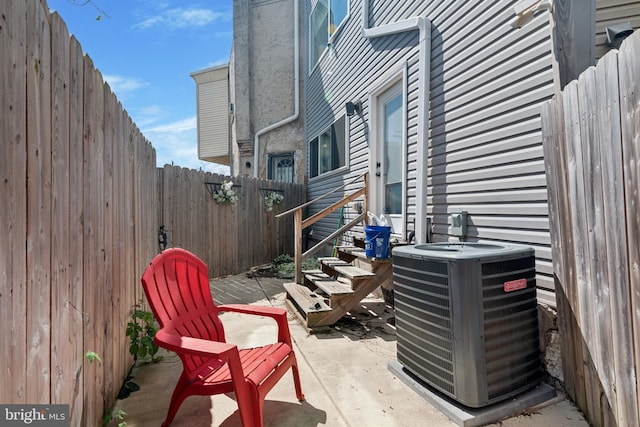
{"x": 487, "y": 83}
{"x": 611, "y": 12}
{"x": 347, "y": 74}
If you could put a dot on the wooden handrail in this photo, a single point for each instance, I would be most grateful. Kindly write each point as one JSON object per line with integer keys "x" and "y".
{"x": 304, "y": 205}
{"x": 339, "y": 232}
{"x": 300, "y": 224}
{"x": 337, "y": 205}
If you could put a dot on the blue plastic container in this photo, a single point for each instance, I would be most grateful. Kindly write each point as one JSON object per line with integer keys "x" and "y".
{"x": 377, "y": 241}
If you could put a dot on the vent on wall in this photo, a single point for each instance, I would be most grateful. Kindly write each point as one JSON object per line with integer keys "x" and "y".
{"x": 466, "y": 319}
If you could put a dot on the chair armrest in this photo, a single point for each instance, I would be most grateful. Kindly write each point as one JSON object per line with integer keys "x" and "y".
{"x": 258, "y": 310}
{"x": 194, "y": 346}
{"x": 278, "y": 314}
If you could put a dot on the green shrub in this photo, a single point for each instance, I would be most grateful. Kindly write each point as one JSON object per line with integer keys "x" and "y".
{"x": 141, "y": 330}
{"x": 284, "y": 266}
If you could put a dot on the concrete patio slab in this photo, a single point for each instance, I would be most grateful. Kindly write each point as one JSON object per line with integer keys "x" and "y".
{"x": 474, "y": 417}
{"x": 344, "y": 374}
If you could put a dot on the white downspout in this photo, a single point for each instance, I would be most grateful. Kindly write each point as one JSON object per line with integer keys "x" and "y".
{"x": 422, "y": 24}
{"x": 296, "y": 92}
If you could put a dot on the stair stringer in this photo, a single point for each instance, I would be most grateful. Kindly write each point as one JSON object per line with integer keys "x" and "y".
{"x": 341, "y": 305}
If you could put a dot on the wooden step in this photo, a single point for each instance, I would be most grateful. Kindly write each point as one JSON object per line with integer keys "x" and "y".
{"x": 306, "y": 302}
{"x": 349, "y": 248}
{"x": 361, "y": 254}
{"x": 344, "y": 253}
{"x": 340, "y": 287}
{"x": 353, "y": 273}
{"x": 336, "y": 267}
{"x": 327, "y": 284}
{"x": 339, "y": 266}
{"x": 331, "y": 261}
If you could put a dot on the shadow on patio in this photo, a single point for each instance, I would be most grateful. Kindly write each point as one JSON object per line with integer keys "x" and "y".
{"x": 344, "y": 373}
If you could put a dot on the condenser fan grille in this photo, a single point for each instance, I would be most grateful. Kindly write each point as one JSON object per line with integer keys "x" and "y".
{"x": 423, "y": 321}
{"x": 466, "y": 319}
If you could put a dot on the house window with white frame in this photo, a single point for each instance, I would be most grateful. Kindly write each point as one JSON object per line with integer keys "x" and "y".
{"x": 325, "y": 20}
{"x": 327, "y": 151}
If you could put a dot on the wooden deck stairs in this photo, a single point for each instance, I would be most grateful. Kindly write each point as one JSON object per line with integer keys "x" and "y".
{"x": 322, "y": 297}
{"x": 326, "y": 295}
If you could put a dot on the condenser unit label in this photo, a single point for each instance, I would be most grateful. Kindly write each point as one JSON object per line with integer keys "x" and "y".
{"x": 514, "y": 285}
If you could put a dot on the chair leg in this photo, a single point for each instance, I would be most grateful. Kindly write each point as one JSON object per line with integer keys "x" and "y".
{"x": 177, "y": 398}
{"x": 258, "y": 411}
{"x": 296, "y": 380}
{"x": 247, "y": 407}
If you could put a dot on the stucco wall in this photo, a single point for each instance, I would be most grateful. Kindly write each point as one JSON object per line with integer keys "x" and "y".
{"x": 263, "y": 83}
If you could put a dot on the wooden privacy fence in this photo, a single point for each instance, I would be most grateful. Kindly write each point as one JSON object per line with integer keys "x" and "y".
{"x": 78, "y": 214}
{"x": 591, "y": 134}
{"x": 228, "y": 238}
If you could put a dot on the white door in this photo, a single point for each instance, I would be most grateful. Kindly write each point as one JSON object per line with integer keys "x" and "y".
{"x": 390, "y": 161}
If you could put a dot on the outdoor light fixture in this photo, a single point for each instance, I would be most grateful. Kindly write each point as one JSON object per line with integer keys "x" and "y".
{"x": 353, "y": 108}
{"x": 617, "y": 33}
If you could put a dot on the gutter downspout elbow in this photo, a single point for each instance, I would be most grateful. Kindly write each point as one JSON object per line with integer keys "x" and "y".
{"x": 296, "y": 92}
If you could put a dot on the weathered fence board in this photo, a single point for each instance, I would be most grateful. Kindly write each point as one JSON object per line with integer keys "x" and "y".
{"x": 38, "y": 203}
{"x": 630, "y": 113}
{"x": 228, "y": 238}
{"x": 13, "y": 164}
{"x": 65, "y": 320}
{"x": 72, "y": 370}
{"x": 615, "y": 291}
{"x": 590, "y": 149}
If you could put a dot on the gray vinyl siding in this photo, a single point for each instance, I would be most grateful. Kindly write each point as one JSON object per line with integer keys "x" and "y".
{"x": 336, "y": 81}
{"x": 611, "y": 12}
{"x": 213, "y": 122}
{"x": 487, "y": 84}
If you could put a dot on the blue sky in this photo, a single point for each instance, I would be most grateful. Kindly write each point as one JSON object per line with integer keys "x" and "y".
{"x": 145, "y": 50}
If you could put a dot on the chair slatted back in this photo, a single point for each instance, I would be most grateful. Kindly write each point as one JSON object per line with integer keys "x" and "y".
{"x": 176, "y": 284}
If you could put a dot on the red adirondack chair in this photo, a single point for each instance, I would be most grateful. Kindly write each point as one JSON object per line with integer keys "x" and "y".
{"x": 177, "y": 287}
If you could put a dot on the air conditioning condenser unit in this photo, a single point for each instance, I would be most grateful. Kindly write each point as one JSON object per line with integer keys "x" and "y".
{"x": 467, "y": 320}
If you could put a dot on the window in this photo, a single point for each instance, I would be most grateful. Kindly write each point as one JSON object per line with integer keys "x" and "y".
{"x": 326, "y": 17}
{"x": 281, "y": 167}
{"x": 327, "y": 150}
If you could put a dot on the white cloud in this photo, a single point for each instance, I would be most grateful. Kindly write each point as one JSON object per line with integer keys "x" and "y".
{"x": 180, "y": 18}
{"x": 123, "y": 85}
{"x": 179, "y": 126}
{"x": 150, "y": 114}
{"x": 221, "y": 61}
{"x": 176, "y": 144}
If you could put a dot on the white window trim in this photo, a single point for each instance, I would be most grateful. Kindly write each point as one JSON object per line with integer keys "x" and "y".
{"x": 347, "y": 150}
{"x": 395, "y": 76}
{"x": 331, "y": 38}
